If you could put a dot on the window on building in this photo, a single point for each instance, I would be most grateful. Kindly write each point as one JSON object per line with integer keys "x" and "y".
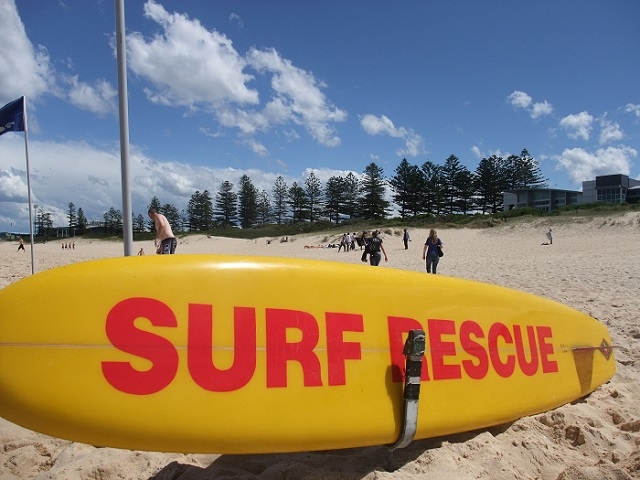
{"x": 611, "y": 195}
{"x": 541, "y": 195}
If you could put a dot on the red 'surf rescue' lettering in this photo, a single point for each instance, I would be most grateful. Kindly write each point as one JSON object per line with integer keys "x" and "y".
{"x": 163, "y": 356}
{"x": 453, "y": 350}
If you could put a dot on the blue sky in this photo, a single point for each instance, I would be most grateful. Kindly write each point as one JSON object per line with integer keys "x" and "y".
{"x": 222, "y": 88}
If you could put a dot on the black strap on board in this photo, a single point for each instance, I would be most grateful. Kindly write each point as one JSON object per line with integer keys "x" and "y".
{"x": 413, "y": 351}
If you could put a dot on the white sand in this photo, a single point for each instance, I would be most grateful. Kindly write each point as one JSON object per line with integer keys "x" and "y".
{"x": 593, "y": 266}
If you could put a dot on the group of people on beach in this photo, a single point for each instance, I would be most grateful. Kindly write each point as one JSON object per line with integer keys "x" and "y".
{"x": 431, "y": 252}
{"x": 165, "y": 243}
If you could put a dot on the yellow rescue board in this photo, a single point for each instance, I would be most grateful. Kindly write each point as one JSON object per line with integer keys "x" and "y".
{"x": 226, "y": 354}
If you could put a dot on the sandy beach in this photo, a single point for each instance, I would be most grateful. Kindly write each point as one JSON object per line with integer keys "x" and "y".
{"x": 592, "y": 266}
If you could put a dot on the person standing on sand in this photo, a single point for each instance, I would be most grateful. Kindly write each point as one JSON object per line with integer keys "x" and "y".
{"x": 375, "y": 246}
{"x": 21, "y": 244}
{"x": 165, "y": 242}
{"x": 550, "y": 236}
{"x": 406, "y": 239}
{"x": 430, "y": 251}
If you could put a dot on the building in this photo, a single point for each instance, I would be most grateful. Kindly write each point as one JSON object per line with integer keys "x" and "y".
{"x": 612, "y": 189}
{"x": 606, "y": 188}
{"x": 545, "y": 199}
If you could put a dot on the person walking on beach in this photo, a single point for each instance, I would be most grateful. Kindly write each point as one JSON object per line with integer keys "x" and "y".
{"x": 343, "y": 242}
{"x": 362, "y": 240}
{"x": 165, "y": 242}
{"x": 406, "y": 239}
{"x": 21, "y": 244}
{"x": 431, "y": 252}
{"x": 375, "y": 247}
{"x": 550, "y": 236}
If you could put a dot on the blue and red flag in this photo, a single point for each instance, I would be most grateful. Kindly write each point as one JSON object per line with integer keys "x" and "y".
{"x": 12, "y": 116}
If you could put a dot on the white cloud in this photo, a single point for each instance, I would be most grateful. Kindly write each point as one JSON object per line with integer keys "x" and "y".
{"x": 256, "y": 147}
{"x": 100, "y": 98}
{"x": 519, "y": 99}
{"x": 610, "y": 132}
{"x": 582, "y": 165}
{"x": 24, "y": 69}
{"x": 373, "y": 125}
{"x": 476, "y": 152}
{"x": 414, "y": 145}
{"x": 379, "y": 125}
{"x": 541, "y": 109}
{"x": 235, "y": 18}
{"x": 193, "y": 67}
{"x": 188, "y": 65}
{"x": 631, "y": 108}
{"x": 13, "y": 187}
{"x": 94, "y": 184}
{"x": 578, "y": 126}
{"x": 298, "y": 97}
{"x": 207, "y": 132}
{"x": 27, "y": 70}
{"x": 522, "y": 100}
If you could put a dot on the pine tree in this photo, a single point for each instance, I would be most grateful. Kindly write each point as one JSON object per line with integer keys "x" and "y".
{"x": 525, "y": 172}
{"x": 313, "y": 191}
{"x": 297, "y": 203}
{"x": 434, "y": 194}
{"x": 492, "y": 181}
{"x": 466, "y": 191}
{"x": 408, "y": 187}
{"x": 138, "y": 222}
{"x": 335, "y": 195}
{"x": 113, "y": 221}
{"x": 280, "y": 194}
{"x": 226, "y": 205}
{"x": 200, "y": 211}
{"x": 451, "y": 171}
{"x": 82, "y": 221}
{"x": 247, "y": 203}
{"x": 265, "y": 214}
{"x": 72, "y": 217}
{"x": 374, "y": 204}
{"x": 172, "y": 215}
{"x": 352, "y": 196}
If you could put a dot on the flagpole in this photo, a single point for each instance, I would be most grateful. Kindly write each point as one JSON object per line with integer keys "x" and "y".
{"x": 26, "y": 152}
{"x": 127, "y": 222}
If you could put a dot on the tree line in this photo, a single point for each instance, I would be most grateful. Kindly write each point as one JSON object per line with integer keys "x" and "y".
{"x": 452, "y": 188}
{"x": 432, "y": 189}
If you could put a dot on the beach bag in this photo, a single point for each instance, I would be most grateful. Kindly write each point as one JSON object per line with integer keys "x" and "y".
{"x": 440, "y": 252}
